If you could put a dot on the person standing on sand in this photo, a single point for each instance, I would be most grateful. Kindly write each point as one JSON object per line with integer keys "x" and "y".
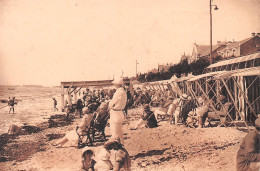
{"x": 248, "y": 156}
{"x": 54, "y": 104}
{"x": 116, "y": 107}
{"x": 79, "y": 107}
{"x": 11, "y": 104}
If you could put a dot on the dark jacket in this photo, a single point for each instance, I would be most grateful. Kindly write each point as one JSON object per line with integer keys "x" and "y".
{"x": 149, "y": 116}
{"x": 249, "y": 151}
{"x": 79, "y": 104}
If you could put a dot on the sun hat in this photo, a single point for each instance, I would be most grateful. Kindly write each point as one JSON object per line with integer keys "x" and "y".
{"x": 118, "y": 81}
{"x": 184, "y": 96}
{"x": 191, "y": 113}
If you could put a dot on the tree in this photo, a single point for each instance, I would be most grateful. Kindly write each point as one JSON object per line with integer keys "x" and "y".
{"x": 198, "y": 66}
{"x": 218, "y": 58}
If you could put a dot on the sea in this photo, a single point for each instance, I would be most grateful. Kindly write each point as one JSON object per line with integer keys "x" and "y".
{"x": 35, "y": 105}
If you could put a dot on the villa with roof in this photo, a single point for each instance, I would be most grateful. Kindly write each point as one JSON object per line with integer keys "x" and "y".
{"x": 203, "y": 51}
{"x": 241, "y": 48}
{"x": 227, "y": 50}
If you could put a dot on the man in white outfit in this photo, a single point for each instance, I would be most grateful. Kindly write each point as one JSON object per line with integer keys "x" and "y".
{"x": 116, "y": 107}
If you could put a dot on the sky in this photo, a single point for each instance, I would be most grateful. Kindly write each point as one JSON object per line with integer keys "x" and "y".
{"x": 45, "y": 42}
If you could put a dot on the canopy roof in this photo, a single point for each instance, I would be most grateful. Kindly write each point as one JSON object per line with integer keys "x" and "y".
{"x": 222, "y": 74}
{"x": 205, "y": 75}
{"x": 252, "y": 72}
{"x": 101, "y": 83}
{"x": 236, "y": 60}
{"x": 239, "y": 72}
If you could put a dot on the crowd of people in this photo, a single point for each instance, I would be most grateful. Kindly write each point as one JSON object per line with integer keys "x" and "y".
{"x": 97, "y": 106}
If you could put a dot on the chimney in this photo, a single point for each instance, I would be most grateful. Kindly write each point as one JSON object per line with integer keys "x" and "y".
{"x": 253, "y": 34}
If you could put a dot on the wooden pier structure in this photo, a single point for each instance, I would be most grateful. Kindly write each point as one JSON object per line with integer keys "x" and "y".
{"x": 74, "y": 87}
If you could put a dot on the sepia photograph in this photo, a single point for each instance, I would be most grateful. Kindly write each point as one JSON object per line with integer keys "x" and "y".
{"x": 130, "y": 85}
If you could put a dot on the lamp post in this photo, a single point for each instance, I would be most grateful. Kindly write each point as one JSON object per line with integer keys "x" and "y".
{"x": 210, "y": 12}
{"x": 136, "y": 63}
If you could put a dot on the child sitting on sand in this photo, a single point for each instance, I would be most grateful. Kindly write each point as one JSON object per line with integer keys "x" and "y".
{"x": 88, "y": 162}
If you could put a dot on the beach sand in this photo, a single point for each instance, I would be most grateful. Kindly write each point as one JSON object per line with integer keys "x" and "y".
{"x": 167, "y": 147}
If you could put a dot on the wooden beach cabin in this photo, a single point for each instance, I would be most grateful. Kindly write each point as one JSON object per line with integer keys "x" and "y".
{"x": 238, "y": 79}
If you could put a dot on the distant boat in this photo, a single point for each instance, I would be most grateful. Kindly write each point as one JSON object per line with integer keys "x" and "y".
{"x": 11, "y": 88}
{"x": 4, "y": 100}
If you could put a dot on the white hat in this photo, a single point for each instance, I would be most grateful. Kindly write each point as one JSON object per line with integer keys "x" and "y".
{"x": 191, "y": 113}
{"x": 118, "y": 81}
{"x": 200, "y": 100}
{"x": 185, "y": 96}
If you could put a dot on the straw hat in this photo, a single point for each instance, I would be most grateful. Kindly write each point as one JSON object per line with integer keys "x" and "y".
{"x": 118, "y": 81}
{"x": 191, "y": 113}
{"x": 184, "y": 96}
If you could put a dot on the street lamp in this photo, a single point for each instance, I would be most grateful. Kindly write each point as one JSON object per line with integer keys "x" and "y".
{"x": 136, "y": 63}
{"x": 210, "y": 8}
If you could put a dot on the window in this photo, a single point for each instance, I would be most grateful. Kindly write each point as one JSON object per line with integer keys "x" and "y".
{"x": 233, "y": 54}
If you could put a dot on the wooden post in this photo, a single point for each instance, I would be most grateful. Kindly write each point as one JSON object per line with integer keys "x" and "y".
{"x": 69, "y": 96}
{"x": 62, "y": 97}
{"x": 236, "y": 98}
{"x": 75, "y": 95}
{"x": 247, "y": 101}
{"x": 233, "y": 101}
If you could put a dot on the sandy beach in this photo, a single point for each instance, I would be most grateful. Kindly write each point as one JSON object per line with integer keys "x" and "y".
{"x": 167, "y": 147}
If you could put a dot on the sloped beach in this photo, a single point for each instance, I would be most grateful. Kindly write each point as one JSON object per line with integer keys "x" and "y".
{"x": 167, "y": 147}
